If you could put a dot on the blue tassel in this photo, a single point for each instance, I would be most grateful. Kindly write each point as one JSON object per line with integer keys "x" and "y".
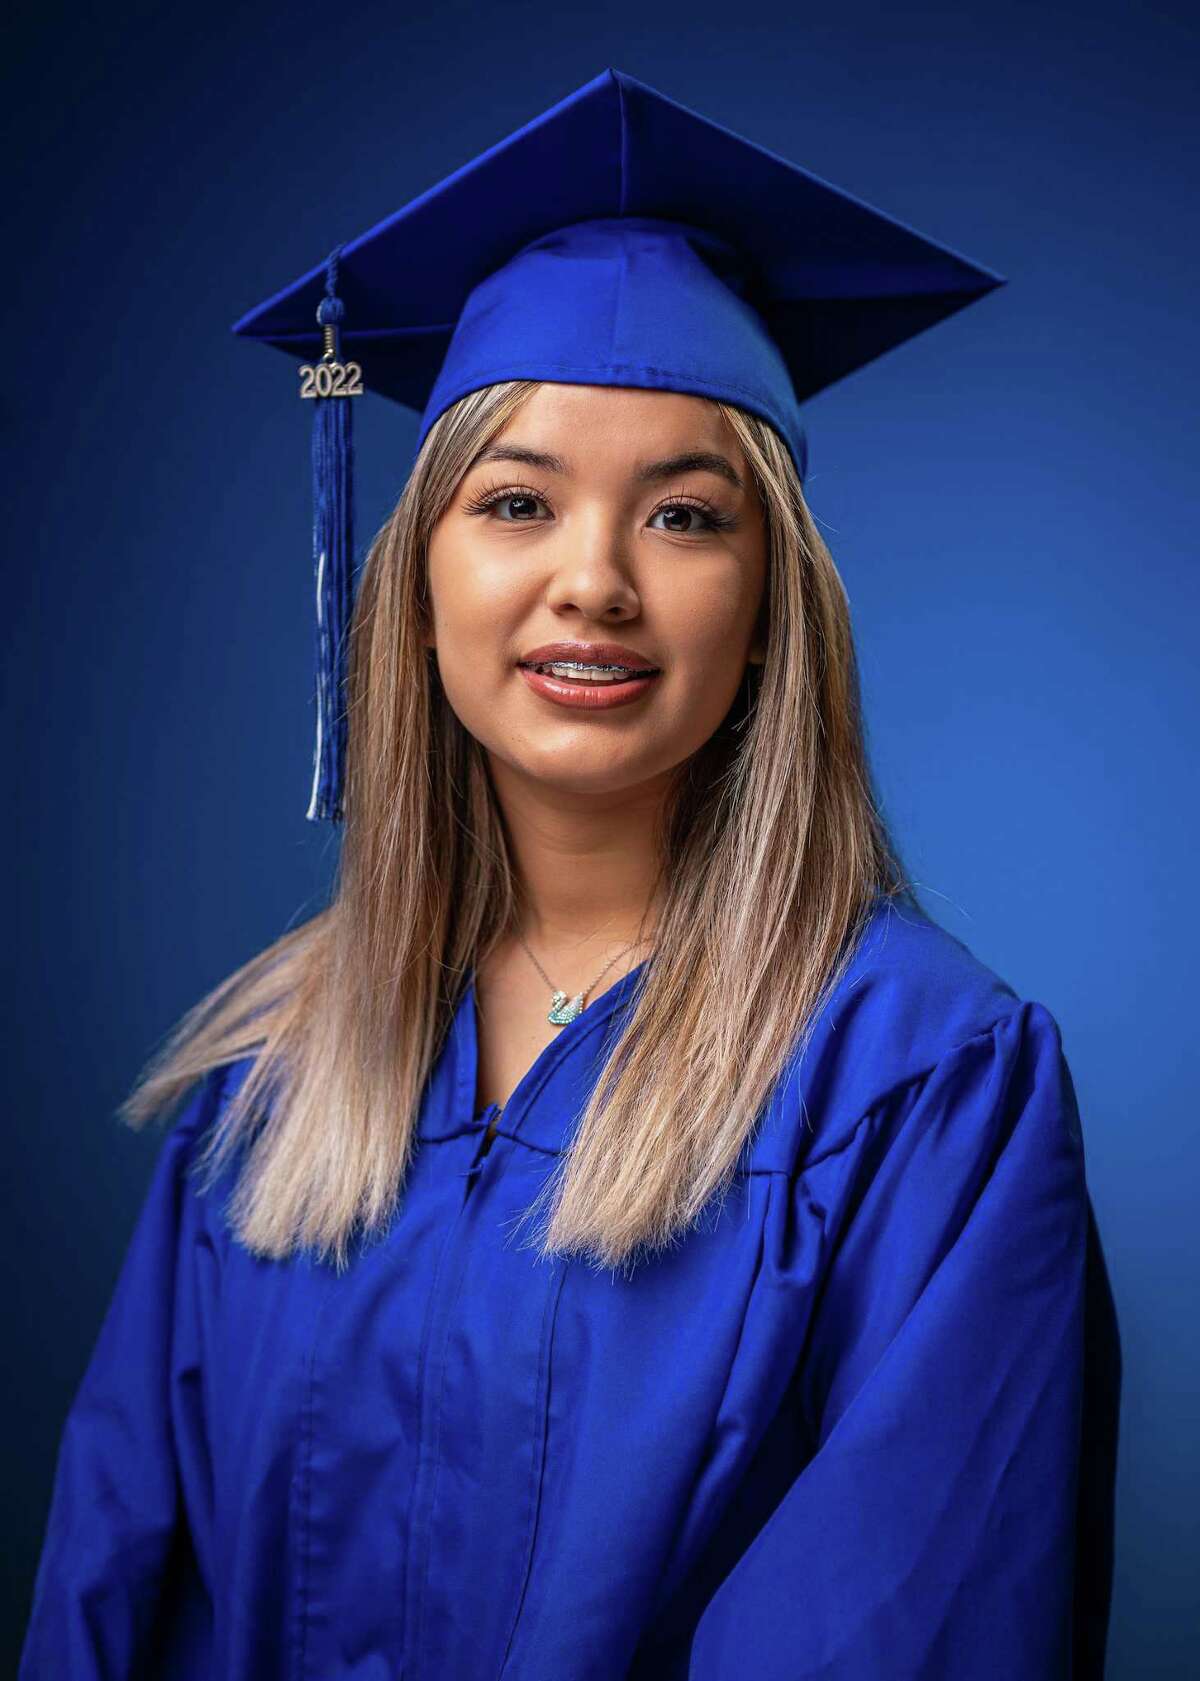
{"x": 333, "y": 559}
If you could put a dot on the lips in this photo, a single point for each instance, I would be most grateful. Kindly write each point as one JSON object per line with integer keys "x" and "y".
{"x": 586, "y": 695}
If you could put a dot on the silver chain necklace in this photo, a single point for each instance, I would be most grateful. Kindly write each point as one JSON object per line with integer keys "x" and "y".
{"x": 561, "y": 1012}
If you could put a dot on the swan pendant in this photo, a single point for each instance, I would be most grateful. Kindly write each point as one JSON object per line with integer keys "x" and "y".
{"x": 561, "y": 1012}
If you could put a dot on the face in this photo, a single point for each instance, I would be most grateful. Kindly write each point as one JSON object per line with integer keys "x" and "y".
{"x": 599, "y": 515}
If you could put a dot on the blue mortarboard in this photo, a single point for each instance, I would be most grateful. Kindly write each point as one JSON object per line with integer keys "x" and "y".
{"x": 617, "y": 239}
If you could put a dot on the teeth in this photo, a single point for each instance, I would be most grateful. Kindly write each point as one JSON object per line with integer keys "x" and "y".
{"x": 590, "y": 673}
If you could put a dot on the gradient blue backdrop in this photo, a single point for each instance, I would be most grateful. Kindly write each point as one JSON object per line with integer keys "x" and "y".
{"x": 1011, "y": 501}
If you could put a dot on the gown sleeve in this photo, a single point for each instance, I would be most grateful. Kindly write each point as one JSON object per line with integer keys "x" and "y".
{"x": 931, "y": 1533}
{"x": 119, "y": 1574}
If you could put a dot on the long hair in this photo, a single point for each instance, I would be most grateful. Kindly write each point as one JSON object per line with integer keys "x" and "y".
{"x": 771, "y": 850}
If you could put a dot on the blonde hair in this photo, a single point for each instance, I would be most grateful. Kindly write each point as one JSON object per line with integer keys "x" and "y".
{"x": 772, "y": 850}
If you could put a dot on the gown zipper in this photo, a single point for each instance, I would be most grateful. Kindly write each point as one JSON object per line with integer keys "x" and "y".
{"x": 487, "y": 1138}
{"x": 441, "y": 1299}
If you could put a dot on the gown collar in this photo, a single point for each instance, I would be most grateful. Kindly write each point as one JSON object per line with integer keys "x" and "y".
{"x": 545, "y": 1105}
{"x": 895, "y": 1027}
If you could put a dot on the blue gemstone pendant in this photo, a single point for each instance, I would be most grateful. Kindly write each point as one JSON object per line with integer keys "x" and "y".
{"x": 561, "y": 1012}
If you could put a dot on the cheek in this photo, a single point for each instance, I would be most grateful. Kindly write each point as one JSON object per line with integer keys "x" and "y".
{"x": 475, "y": 612}
{"x": 476, "y": 608}
{"x": 706, "y": 618}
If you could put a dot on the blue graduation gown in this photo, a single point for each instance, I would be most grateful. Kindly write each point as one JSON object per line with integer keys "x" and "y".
{"x": 858, "y": 1425}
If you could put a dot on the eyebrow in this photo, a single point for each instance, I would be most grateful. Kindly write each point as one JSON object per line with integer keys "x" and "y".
{"x": 687, "y": 461}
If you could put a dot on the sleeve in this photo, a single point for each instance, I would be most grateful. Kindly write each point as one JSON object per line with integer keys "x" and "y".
{"x": 931, "y": 1534}
{"x": 119, "y": 1590}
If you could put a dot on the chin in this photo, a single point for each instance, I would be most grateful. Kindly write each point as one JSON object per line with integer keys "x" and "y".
{"x": 566, "y": 770}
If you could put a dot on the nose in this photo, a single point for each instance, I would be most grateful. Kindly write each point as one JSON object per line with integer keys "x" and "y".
{"x": 591, "y": 570}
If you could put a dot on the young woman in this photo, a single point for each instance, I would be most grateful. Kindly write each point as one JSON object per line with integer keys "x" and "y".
{"x": 622, "y": 1235}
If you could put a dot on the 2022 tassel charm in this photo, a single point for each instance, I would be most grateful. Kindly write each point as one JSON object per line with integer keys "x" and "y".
{"x": 329, "y": 383}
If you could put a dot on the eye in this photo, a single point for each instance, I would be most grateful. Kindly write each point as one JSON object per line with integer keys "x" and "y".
{"x": 519, "y": 503}
{"x": 700, "y": 515}
{"x": 497, "y": 496}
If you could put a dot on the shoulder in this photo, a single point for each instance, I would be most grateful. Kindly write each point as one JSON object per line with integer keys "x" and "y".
{"x": 205, "y": 1101}
{"x": 912, "y": 996}
{"x": 190, "y": 1134}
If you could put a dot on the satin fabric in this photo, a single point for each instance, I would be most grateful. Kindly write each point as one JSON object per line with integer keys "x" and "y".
{"x": 859, "y": 1425}
{"x": 620, "y": 238}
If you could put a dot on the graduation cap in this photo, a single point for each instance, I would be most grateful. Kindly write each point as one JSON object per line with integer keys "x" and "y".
{"x": 617, "y": 239}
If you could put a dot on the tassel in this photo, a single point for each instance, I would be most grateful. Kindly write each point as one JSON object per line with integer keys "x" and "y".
{"x": 333, "y": 559}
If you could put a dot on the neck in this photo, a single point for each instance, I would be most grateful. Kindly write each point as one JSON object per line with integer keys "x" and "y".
{"x": 587, "y": 865}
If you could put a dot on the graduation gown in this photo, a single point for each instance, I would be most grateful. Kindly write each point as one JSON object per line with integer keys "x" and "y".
{"x": 858, "y": 1425}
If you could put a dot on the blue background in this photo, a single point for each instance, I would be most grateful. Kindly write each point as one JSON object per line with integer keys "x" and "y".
{"x": 1010, "y": 499}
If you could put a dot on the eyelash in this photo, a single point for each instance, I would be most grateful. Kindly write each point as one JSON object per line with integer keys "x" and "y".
{"x": 485, "y": 500}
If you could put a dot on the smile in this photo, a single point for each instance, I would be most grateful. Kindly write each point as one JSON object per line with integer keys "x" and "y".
{"x": 588, "y": 673}
{"x": 588, "y": 687}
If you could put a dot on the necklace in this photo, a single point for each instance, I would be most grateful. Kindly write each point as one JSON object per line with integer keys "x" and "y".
{"x": 561, "y": 1012}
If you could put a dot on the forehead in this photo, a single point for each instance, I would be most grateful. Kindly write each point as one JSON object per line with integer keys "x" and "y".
{"x": 623, "y": 421}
